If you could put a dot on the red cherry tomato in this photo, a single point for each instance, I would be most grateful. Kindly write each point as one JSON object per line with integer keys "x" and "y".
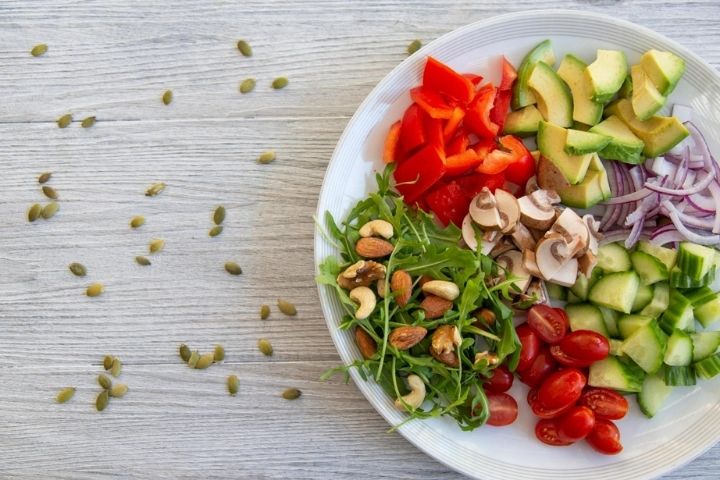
{"x": 586, "y": 345}
{"x": 605, "y": 437}
{"x": 575, "y": 424}
{"x": 501, "y": 380}
{"x": 550, "y": 325}
{"x": 503, "y": 409}
{"x": 546, "y": 431}
{"x": 604, "y": 403}
{"x": 529, "y": 346}
{"x": 561, "y": 388}
{"x": 541, "y": 411}
{"x": 542, "y": 366}
{"x": 566, "y": 360}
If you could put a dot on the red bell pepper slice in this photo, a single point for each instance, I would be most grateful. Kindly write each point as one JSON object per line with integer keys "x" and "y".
{"x": 412, "y": 131}
{"x": 508, "y": 75}
{"x": 417, "y": 174}
{"x": 460, "y": 163}
{"x": 448, "y": 203}
{"x": 442, "y": 79}
{"x": 457, "y": 145}
{"x": 452, "y": 123}
{"x": 433, "y": 103}
{"x": 391, "y": 143}
{"x": 477, "y": 117}
{"x": 434, "y": 132}
{"x": 498, "y": 160}
{"x": 501, "y": 107}
{"x": 473, "y": 184}
{"x": 474, "y": 79}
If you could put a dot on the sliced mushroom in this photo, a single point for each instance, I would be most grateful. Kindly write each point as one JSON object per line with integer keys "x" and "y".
{"x": 593, "y": 227}
{"x": 522, "y": 238}
{"x": 509, "y": 210}
{"x": 530, "y": 264}
{"x": 567, "y": 275}
{"x": 574, "y": 230}
{"x": 484, "y": 210}
{"x": 501, "y": 246}
{"x": 551, "y": 255}
{"x": 587, "y": 263}
{"x": 536, "y": 209}
{"x": 512, "y": 261}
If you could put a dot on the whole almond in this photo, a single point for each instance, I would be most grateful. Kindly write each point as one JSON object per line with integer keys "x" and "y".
{"x": 401, "y": 286}
{"x": 404, "y": 338}
{"x": 435, "y": 307}
{"x": 449, "y": 358}
{"x": 372, "y": 247}
{"x": 365, "y": 343}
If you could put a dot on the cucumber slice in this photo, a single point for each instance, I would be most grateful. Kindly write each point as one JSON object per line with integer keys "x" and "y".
{"x": 708, "y": 367}
{"x": 653, "y": 395}
{"x": 642, "y": 298}
{"x": 679, "y": 351}
{"x": 627, "y": 324}
{"x": 650, "y": 269}
{"x": 612, "y": 257}
{"x": 666, "y": 255}
{"x": 659, "y": 302}
{"x": 613, "y": 372}
{"x": 616, "y": 347}
{"x": 679, "y": 280}
{"x": 584, "y": 316}
{"x": 610, "y": 317}
{"x": 646, "y": 346}
{"x": 679, "y": 376}
{"x": 704, "y": 344}
{"x": 556, "y": 292}
{"x": 679, "y": 314}
{"x": 616, "y": 291}
{"x": 695, "y": 260}
{"x": 708, "y": 312}
{"x": 699, "y": 296}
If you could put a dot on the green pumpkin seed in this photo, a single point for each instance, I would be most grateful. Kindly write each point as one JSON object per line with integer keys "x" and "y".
{"x": 286, "y": 307}
{"x": 156, "y": 245}
{"x": 34, "y": 212}
{"x": 233, "y": 384}
{"x": 95, "y": 290}
{"x": 104, "y": 381}
{"x": 44, "y": 177}
{"x": 264, "y": 312}
{"x": 414, "y": 46}
{"x": 49, "y": 210}
{"x": 265, "y": 347}
{"x": 233, "y": 268}
{"x": 244, "y": 48}
{"x": 291, "y": 394}
{"x": 87, "y": 122}
{"x": 155, "y": 189}
{"x": 78, "y": 269}
{"x": 215, "y": 231}
{"x": 118, "y": 390}
{"x": 65, "y": 120}
{"x": 116, "y": 367}
{"x": 137, "y": 221}
{"x": 219, "y": 215}
{"x": 185, "y": 353}
{"x": 167, "y": 97}
{"x": 205, "y": 361}
{"x": 102, "y": 400}
{"x": 50, "y": 192}
{"x": 279, "y": 83}
{"x": 193, "y": 360}
{"x": 39, "y": 49}
{"x": 65, "y": 395}
{"x": 267, "y": 157}
{"x": 107, "y": 362}
{"x": 219, "y": 353}
{"x": 247, "y": 85}
{"x": 143, "y": 261}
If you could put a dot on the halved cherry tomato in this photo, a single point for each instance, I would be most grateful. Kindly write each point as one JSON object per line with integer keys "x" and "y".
{"x": 503, "y": 409}
{"x": 529, "y": 347}
{"x": 541, "y": 367}
{"x": 473, "y": 184}
{"x": 412, "y": 130}
{"x": 605, "y": 403}
{"x": 475, "y": 79}
{"x": 520, "y": 171}
{"x": 509, "y": 74}
{"x": 575, "y": 424}
{"x": 418, "y": 173}
{"x": 548, "y": 323}
{"x": 585, "y": 345}
{"x": 391, "y": 143}
{"x": 432, "y": 102}
{"x": 449, "y": 203}
{"x": 605, "y": 437}
{"x": 546, "y": 432}
{"x": 460, "y": 163}
{"x": 566, "y": 360}
{"x": 500, "y": 381}
{"x": 539, "y": 410}
{"x": 477, "y": 117}
{"x": 458, "y": 144}
{"x": 442, "y": 79}
{"x": 562, "y": 388}
{"x": 452, "y": 123}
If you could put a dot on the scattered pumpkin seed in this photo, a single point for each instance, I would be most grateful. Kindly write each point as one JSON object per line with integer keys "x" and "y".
{"x": 140, "y": 260}
{"x": 219, "y": 353}
{"x": 137, "y": 221}
{"x": 95, "y": 290}
{"x": 244, "y": 48}
{"x": 44, "y": 177}
{"x": 78, "y": 269}
{"x": 65, "y": 120}
{"x": 286, "y": 307}
{"x": 247, "y": 85}
{"x": 185, "y": 353}
{"x": 167, "y": 97}
{"x": 104, "y": 381}
{"x": 193, "y": 360}
{"x": 267, "y": 157}
{"x": 265, "y": 347}
{"x": 219, "y": 215}
{"x": 291, "y": 394}
{"x": 205, "y": 361}
{"x": 215, "y": 231}
{"x": 107, "y": 362}
{"x": 264, "y": 312}
{"x": 155, "y": 189}
{"x": 34, "y": 212}
{"x": 233, "y": 268}
{"x": 39, "y": 49}
{"x": 414, "y": 46}
{"x": 65, "y": 394}
{"x": 156, "y": 245}
{"x": 116, "y": 367}
{"x": 87, "y": 122}
{"x": 102, "y": 400}
{"x": 233, "y": 384}
{"x": 118, "y": 390}
{"x": 279, "y": 83}
{"x": 49, "y": 210}
{"x": 50, "y": 192}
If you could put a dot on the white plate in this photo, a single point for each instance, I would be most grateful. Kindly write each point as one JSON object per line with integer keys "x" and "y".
{"x": 690, "y": 424}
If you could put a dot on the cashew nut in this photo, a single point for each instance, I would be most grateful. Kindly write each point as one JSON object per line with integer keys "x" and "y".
{"x": 375, "y": 228}
{"x": 366, "y": 298}
{"x": 491, "y": 358}
{"x": 416, "y": 396}
{"x": 442, "y": 289}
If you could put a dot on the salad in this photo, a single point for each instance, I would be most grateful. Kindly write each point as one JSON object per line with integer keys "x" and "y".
{"x": 560, "y": 184}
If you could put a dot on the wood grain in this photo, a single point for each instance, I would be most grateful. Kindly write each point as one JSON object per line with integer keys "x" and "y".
{"x": 113, "y": 60}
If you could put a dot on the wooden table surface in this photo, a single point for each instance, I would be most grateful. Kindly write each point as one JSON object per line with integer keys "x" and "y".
{"x": 113, "y": 60}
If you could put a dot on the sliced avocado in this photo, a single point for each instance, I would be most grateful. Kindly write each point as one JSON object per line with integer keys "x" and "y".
{"x": 551, "y": 141}
{"x": 589, "y": 192}
{"x": 523, "y": 122}
{"x": 580, "y": 143}
{"x": 626, "y": 89}
{"x": 623, "y": 145}
{"x": 645, "y": 99}
{"x": 522, "y": 96}
{"x": 606, "y": 74}
{"x": 663, "y": 68}
{"x": 658, "y": 133}
{"x": 553, "y": 96}
{"x": 572, "y": 71}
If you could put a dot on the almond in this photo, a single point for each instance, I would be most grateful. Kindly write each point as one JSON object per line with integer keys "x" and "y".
{"x": 401, "y": 286}
{"x": 450, "y": 358}
{"x": 404, "y": 338}
{"x": 372, "y": 247}
{"x": 365, "y": 343}
{"x": 435, "y": 307}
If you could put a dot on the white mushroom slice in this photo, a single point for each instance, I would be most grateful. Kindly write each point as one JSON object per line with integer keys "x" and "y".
{"x": 595, "y": 235}
{"x": 522, "y": 238}
{"x": 536, "y": 209}
{"x": 530, "y": 264}
{"x": 501, "y": 246}
{"x": 509, "y": 210}
{"x": 567, "y": 275}
{"x": 484, "y": 211}
{"x": 512, "y": 262}
{"x": 587, "y": 263}
{"x": 551, "y": 255}
{"x": 574, "y": 230}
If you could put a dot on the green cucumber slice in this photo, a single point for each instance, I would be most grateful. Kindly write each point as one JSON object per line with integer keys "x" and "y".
{"x": 653, "y": 395}
{"x": 584, "y": 316}
{"x": 650, "y": 269}
{"x": 646, "y": 346}
{"x": 616, "y": 291}
{"x": 679, "y": 352}
{"x": 612, "y": 257}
